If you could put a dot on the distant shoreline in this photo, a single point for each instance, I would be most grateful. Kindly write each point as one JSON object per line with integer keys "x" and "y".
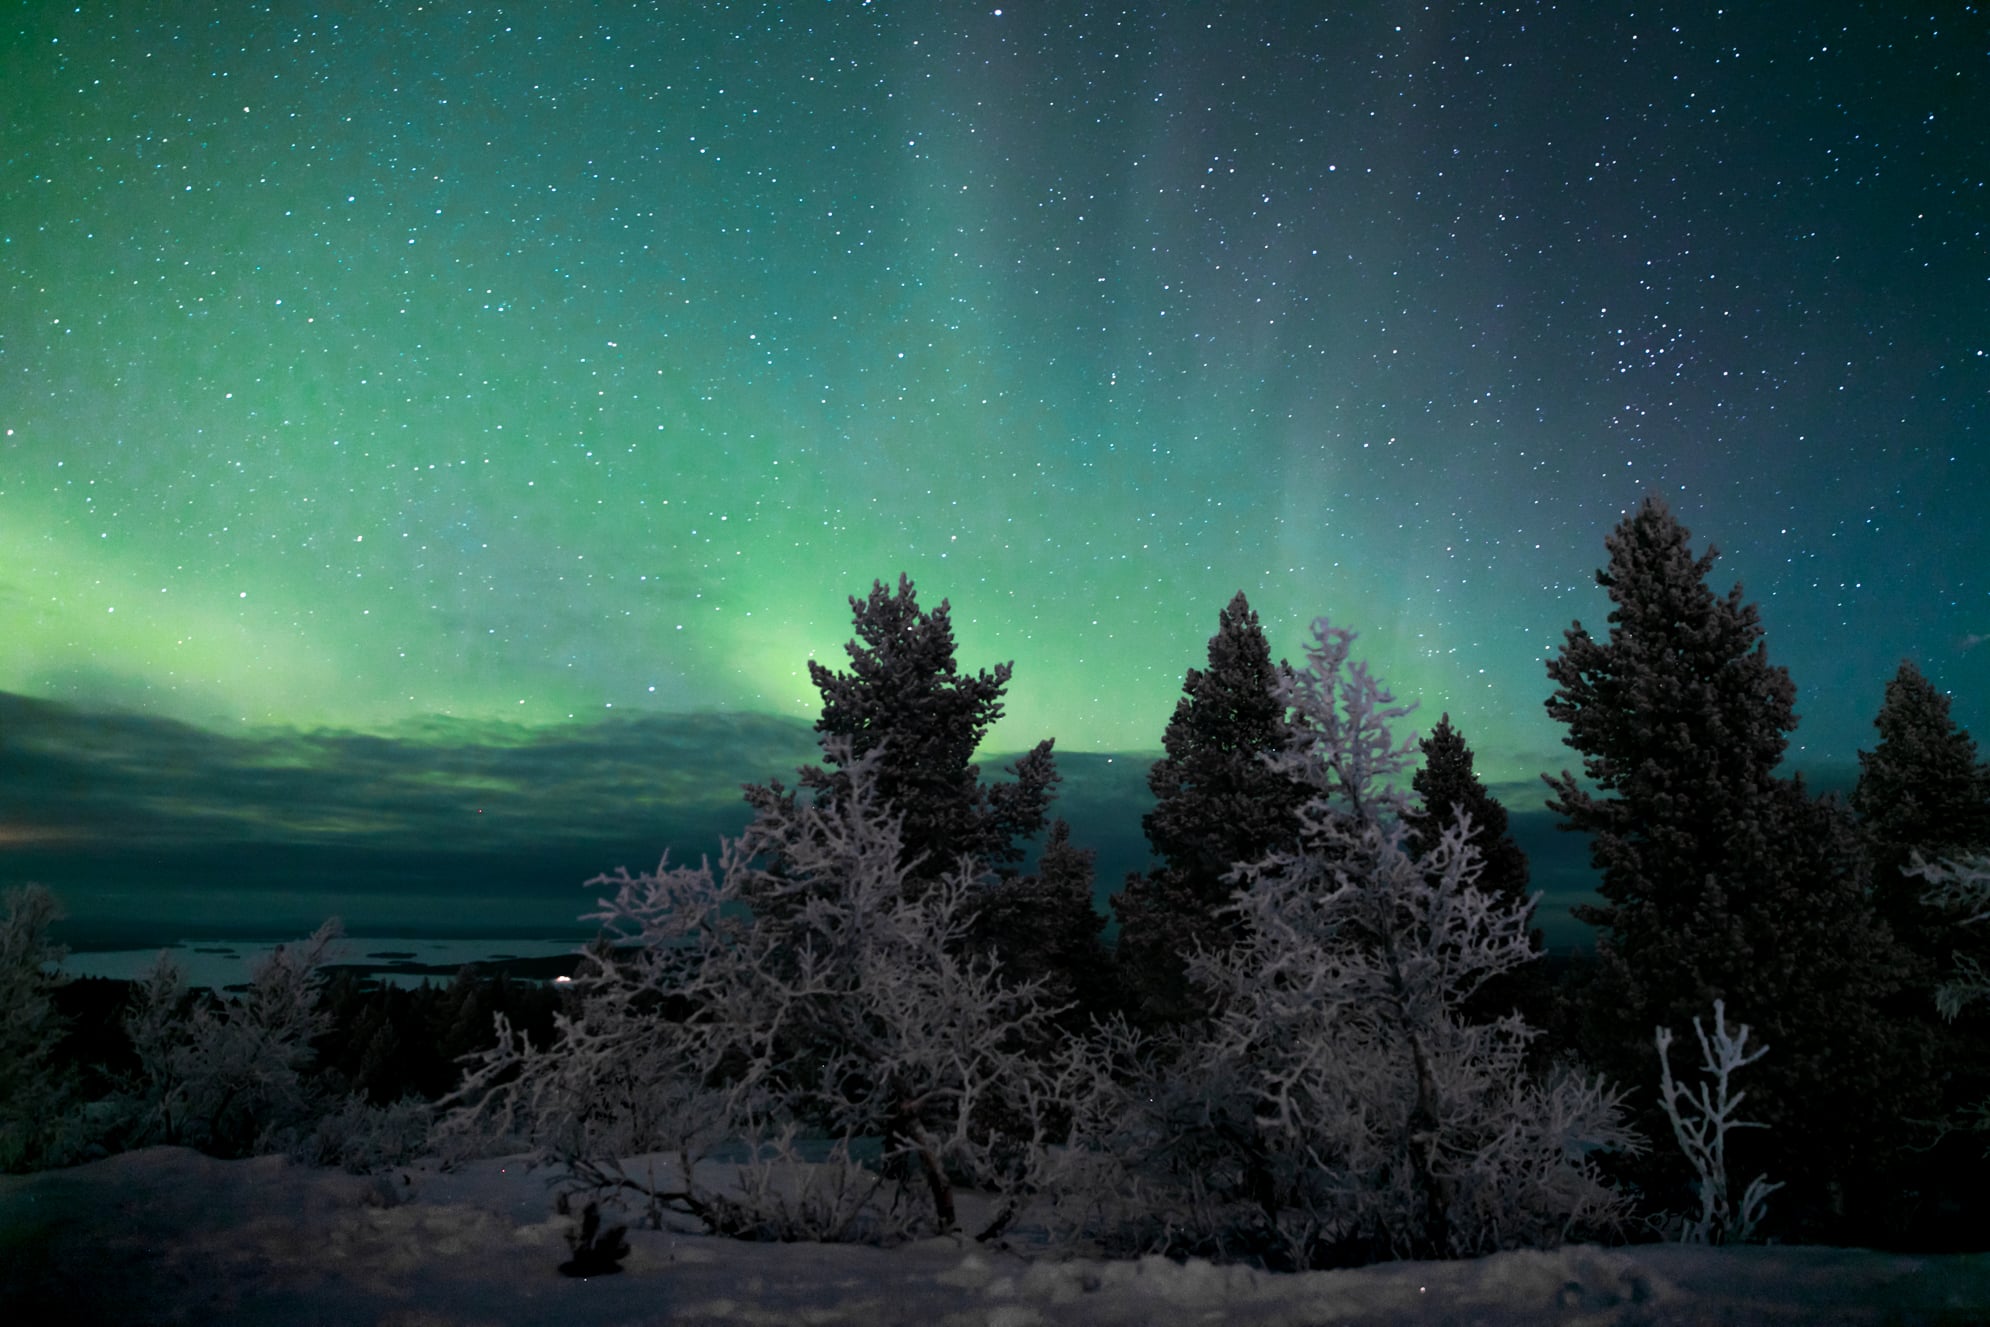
{"x": 224, "y": 961}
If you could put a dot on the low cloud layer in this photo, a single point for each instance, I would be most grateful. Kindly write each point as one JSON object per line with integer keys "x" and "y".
{"x": 133, "y": 818}
{"x": 143, "y": 824}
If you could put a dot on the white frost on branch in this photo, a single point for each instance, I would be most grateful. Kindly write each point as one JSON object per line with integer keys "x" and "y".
{"x": 1702, "y": 1130}
{"x": 804, "y": 998}
{"x": 1337, "y": 1104}
{"x": 230, "y": 1076}
{"x": 1961, "y": 888}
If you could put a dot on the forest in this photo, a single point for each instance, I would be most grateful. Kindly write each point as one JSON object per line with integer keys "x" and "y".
{"x": 1321, "y": 1032}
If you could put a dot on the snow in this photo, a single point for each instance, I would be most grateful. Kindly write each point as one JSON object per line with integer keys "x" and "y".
{"x": 166, "y": 1235}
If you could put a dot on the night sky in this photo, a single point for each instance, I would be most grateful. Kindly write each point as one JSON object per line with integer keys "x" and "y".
{"x": 432, "y": 431}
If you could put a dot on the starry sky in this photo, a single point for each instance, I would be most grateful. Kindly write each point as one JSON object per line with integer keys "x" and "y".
{"x": 473, "y": 407}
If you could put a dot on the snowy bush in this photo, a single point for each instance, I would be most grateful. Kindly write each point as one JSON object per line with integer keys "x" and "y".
{"x": 1961, "y": 889}
{"x": 361, "y": 1138}
{"x": 1337, "y": 1105}
{"x": 36, "y": 1123}
{"x": 228, "y": 1076}
{"x": 805, "y": 1001}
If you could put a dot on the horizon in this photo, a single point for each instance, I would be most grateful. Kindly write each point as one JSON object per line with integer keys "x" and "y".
{"x": 146, "y": 827}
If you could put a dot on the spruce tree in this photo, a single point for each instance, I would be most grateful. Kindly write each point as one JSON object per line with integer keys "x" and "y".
{"x": 1446, "y": 785}
{"x": 905, "y": 694}
{"x": 1921, "y": 790}
{"x": 1923, "y": 797}
{"x": 1043, "y": 927}
{"x": 1218, "y": 804}
{"x": 1721, "y": 879}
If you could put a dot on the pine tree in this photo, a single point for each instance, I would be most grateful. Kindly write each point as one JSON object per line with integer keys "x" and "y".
{"x": 1043, "y": 927}
{"x": 1445, "y": 786}
{"x": 1921, "y": 790}
{"x": 1340, "y": 1104}
{"x": 1721, "y": 879}
{"x": 1217, "y": 804}
{"x": 905, "y": 694}
{"x": 1924, "y": 803}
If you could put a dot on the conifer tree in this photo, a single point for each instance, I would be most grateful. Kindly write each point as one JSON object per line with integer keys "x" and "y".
{"x": 1445, "y": 786}
{"x": 905, "y": 694}
{"x": 1339, "y": 1104}
{"x": 1721, "y": 879}
{"x": 1921, "y": 790}
{"x": 1924, "y": 803}
{"x": 1043, "y": 927}
{"x": 1218, "y": 804}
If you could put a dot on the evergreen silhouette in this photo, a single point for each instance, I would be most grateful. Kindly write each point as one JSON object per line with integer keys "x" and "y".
{"x": 1720, "y": 878}
{"x": 905, "y": 694}
{"x": 1922, "y": 797}
{"x": 1921, "y": 790}
{"x": 1043, "y": 927}
{"x": 1219, "y": 804}
{"x": 1445, "y": 785}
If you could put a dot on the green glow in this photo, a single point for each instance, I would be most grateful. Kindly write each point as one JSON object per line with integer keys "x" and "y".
{"x": 522, "y": 368}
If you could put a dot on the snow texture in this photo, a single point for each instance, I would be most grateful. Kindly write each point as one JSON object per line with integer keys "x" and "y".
{"x": 166, "y": 1235}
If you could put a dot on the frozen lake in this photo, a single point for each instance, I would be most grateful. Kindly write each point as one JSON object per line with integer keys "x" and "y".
{"x": 407, "y": 960}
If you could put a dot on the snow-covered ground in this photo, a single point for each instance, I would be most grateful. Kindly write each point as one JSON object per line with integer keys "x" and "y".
{"x": 166, "y": 1235}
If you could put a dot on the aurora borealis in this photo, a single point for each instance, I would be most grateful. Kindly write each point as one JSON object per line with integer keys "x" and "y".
{"x": 370, "y": 370}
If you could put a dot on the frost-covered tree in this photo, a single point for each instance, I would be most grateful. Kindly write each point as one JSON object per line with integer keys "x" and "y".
{"x": 1958, "y": 891}
{"x": 1446, "y": 786}
{"x": 845, "y": 1010}
{"x": 1217, "y": 803}
{"x": 34, "y": 1089}
{"x": 906, "y": 702}
{"x": 1341, "y": 1104}
{"x": 1962, "y": 889}
{"x": 230, "y": 1076}
{"x": 1720, "y": 878}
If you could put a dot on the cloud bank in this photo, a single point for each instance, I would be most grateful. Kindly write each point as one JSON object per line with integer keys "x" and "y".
{"x": 146, "y": 826}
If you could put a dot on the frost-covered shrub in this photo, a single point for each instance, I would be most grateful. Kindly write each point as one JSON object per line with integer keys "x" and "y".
{"x": 1338, "y": 1105}
{"x": 810, "y": 993}
{"x": 36, "y": 1119}
{"x": 361, "y": 1138}
{"x": 1703, "y": 1126}
{"x": 1962, "y": 891}
{"x": 229, "y": 1076}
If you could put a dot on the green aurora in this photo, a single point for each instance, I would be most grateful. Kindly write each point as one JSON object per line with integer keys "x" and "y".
{"x": 372, "y": 367}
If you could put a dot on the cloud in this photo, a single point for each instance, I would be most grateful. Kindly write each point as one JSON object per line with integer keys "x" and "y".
{"x": 464, "y": 826}
{"x": 129, "y": 813}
